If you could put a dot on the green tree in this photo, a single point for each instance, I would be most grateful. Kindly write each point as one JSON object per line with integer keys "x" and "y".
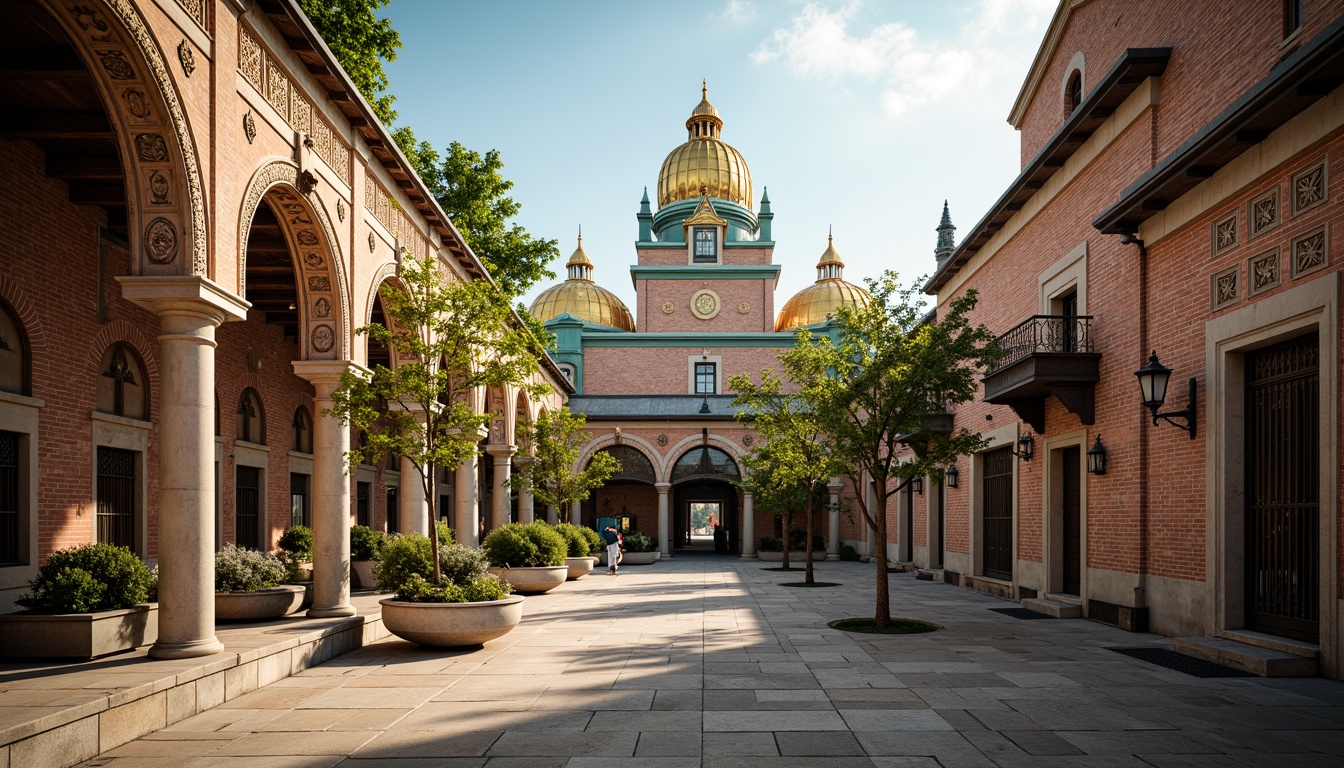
{"x": 362, "y": 42}
{"x": 556, "y": 438}
{"x": 450, "y": 337}
{"x": 876, "y": 384}
{"x": 775, "y": 491}
{"x": 794, "y": 440}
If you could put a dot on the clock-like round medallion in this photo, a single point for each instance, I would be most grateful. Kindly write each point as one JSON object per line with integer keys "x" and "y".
{"x": 705, "y": 304}
{"x": 669, "y": 307}
{"x": 743, "y": 308}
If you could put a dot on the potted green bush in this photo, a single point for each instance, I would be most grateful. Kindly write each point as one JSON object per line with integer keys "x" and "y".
{"x": 640, "y": 549}
{"x": 296, "y": 552}
{"x": 366, "y": 545}
{"x": 798, "y": 543}
{"x": 530, "y": 557}
{"x": 86, "y": 602}
{"x": 578, "y": 559}
{"x": 250, "y": 585}
{"x": 468, "y": 608}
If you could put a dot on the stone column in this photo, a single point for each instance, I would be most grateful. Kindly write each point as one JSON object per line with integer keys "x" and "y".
{"x": 499, "y": 498}
{"x": 576, "y": 513}
{"x": 466, "y": 523}
{"x": 552, "y": 514}
{"x": 664, "y": 527}
{"x": 189, "y": 310}
{"x": 833, "y": 530}
{"x": 526, "y": 513}
{"x": 748, "y": 526}
{"x": 331, "y": 492}
{"x": 411, "y": 503}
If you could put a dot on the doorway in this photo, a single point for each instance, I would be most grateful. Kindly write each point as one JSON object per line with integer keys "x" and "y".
{"x": 1071, "y": 497}
{"x": 997, "y": 544}
{"x": 1282, "y": 526}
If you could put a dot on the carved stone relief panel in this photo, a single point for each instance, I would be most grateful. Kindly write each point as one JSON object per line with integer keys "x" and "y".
{"x": 1310, "y": 251}
{"x": 1262, "y": 214}
{"x": 187, "y": 57}
{"x": 1263, "y": 272}
{"x": 1223, "y": 288}
{"x": 1308, "y": 187}
{"x": 1224, "y": 234}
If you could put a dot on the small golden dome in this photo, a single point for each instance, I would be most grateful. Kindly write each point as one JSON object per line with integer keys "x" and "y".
{"x": 581, "y": 297}
{"x": 820, "y": 300}
{"x": 704, "y": 160}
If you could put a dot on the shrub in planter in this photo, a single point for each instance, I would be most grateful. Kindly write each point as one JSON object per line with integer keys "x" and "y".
{"x": 94, "y": 577}
{"x": 798, "y": 542}
{"x": 296, "y": 552}
{"x": 594, "y": 539}
{"x": 247, "y": 570}
{"x": 847, "y": 552}
{"x": 366, "y": 543}
{"x": 535, "y": 545}
{"x": 482, "y": 590}
{"x": 770, "y": 544}
{"x": 640, "y": 542}
{"x": 402, "y": 557}
{"x": 446, "y": 533}
{"x": 575, "y": 539}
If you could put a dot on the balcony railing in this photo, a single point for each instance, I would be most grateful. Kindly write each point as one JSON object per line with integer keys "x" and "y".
{"x": 1044, "y": 334}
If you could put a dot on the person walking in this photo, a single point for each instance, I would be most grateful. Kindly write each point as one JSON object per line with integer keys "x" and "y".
{"x": 613, "y": 541}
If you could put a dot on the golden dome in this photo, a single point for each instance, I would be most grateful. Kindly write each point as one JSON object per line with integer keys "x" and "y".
{"x": 820, "y": 300}
{"x": 704, "y": 160}
{"x": 581, "y": 297}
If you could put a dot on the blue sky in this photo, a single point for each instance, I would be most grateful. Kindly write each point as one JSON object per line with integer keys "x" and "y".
{"x": 862, "y": 116}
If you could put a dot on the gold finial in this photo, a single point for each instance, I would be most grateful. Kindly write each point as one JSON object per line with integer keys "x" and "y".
{"x": 704, "y": 88}
{"x": 580, "y": 234}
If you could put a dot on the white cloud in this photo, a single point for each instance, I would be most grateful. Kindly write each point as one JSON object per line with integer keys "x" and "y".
{"x": 738, "y": 11}
{"x": 910, "y": 69}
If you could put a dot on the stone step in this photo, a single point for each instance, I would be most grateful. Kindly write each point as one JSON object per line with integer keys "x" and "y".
{"x": 1264, "y": 662}
{"x": 1053, "y": 608}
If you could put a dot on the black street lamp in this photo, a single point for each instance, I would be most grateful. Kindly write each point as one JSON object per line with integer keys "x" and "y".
{"x": 1153, "y": 379}
{"x": 1096, "y": 458}
{"x": 951, "y": 475}
{"x": 1026, "y": 445}
{"x": 917, "y": 485}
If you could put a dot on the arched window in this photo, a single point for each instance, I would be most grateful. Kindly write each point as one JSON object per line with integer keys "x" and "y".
{"x": 635, "y": 466}
{"x": 1075, "y": 91}
{"x": 13, "y": 353}
{"x": 122, "y": 387}
{"x": 251, "y": 426}
{"x": 303, "y": 431}
{"x": 705, "y": 463}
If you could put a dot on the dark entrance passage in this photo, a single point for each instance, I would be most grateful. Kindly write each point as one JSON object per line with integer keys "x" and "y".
{"x": 940, "y": 512}
{"x": 997, "y": 545}
{"x": 702, "y": 486}
{"x": 1282, "y": 490}
{"x": 1073, "y": 522}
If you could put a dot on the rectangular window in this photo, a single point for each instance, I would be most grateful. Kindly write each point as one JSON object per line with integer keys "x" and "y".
{"x": 706, "y": 378}
{"x": 298, "y": 500}
{"x": 393, "y": 511}
{"x": 116, "y": 497}
{"x": 362, "y": 503}
{"x": 706, "y": 245}
{"x": 9, "y": 499}
{"x": 1292, "y": 17}
{"x": 247, "y": 507}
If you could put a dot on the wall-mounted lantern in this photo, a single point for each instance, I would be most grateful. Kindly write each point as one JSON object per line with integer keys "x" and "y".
{"x": 1096, "y": 458}
{"x": 1026, "y": 447}
{"x": 950, "y": 476}
{"x": 1153, "y": 379}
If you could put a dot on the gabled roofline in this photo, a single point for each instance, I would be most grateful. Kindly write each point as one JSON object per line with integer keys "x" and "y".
{"x": 1131, "y": 69}
{"x": 1044, "y": 55}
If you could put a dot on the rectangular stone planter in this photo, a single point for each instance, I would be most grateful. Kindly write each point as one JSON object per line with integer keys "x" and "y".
{"x": 795, "y": 558}
{"x": 78, "y": 635}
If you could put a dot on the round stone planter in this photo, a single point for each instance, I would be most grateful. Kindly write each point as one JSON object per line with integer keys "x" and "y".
{"x": 451, "y": 625}
{"x": 580, "y": 566}
{"x": 640, "y": 558}
{"x": 533, "y": 581}
{"x": 255, "y": 606}
{"x": 364, "y": 573}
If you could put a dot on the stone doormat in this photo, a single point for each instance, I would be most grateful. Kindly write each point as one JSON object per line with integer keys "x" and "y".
{"x": 1181, "y": 663}
{"x": 1022, "y": 613}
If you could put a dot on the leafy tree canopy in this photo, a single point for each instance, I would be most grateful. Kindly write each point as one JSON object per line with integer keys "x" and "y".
{"x": 362, "y": 42}
{"x": 556, "y": 438}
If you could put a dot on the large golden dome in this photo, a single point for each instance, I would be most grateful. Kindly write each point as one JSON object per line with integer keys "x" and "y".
{"x": 704, "y": 160}
{"x": 820, "y": 300}
{"x": 581, "y": 297}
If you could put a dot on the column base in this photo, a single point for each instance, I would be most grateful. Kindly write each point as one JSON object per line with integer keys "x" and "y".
{"x": 749, "y": 556}
{"x": 188, "y": 650}
{"x": 334, "y": 612}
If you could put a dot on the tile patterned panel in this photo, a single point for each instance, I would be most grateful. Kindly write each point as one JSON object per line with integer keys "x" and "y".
{"x": 1263, "y": 271}
{"x": 1262, "y": 213}
{"x": 1224, "y": 288}
{"x": 1224, "y": 234}
{"x": 1308, "y": 187}
{"x": 1310, "y": 251}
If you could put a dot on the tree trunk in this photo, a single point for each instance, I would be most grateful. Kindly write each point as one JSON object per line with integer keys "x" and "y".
{"x": 784, "y": 558}
{"x": 807, "y": 558}
{"x": 882, "y": 610}
{"x": 430, "y": 471}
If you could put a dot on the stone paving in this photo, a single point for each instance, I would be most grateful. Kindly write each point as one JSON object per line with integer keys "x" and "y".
{"x": 710, "y": 662}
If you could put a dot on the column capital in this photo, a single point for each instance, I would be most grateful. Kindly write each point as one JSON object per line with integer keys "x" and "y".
{"x": 325, "y": 375}
{"x": 835, "y": 484}
{"x": 502, "y": 451}
{"x": 523, "y": 460}
{"x": 662, "y": 487}
{"x": 178, "y": 294}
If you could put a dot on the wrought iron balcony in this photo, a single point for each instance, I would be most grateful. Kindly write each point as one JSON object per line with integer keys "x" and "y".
{"x": 1046, "y": 355}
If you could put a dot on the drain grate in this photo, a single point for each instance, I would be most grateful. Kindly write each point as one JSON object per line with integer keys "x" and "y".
{"x": 1181, "y": 663}
{"x": 1022, "y": 613}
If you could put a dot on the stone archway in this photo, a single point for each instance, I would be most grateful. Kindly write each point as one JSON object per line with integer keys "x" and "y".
{"x": 324, "y": 297}
{"x": 166, "y": 211}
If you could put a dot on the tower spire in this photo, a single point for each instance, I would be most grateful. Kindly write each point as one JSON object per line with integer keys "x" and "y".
{"x": 946, "y": 245}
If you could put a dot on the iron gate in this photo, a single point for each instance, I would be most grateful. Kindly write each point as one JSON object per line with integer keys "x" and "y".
{"x": 997, "y": 549}
{"x": 1282, "y": 489}
{"x": 247, "y": 510}
{"x": 116, "y": 497}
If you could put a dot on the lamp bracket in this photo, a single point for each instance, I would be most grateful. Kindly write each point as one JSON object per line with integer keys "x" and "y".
{"x": 1188, "y": 415}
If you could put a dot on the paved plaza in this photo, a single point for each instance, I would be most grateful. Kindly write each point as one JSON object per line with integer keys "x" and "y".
{"x": 704, "y": 661}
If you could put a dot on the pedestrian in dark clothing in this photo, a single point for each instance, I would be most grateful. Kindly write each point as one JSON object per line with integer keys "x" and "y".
{"x": 613, "y": 541}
